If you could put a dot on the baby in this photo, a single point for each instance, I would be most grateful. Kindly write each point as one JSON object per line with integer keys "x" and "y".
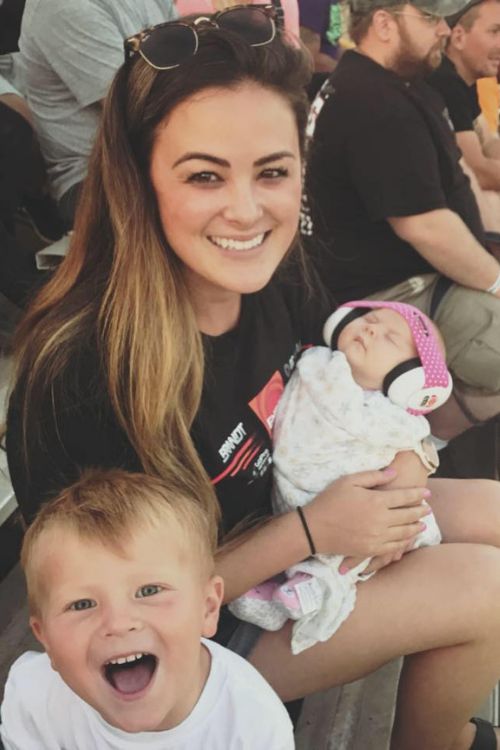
{"x": 348, "y": 408}
{"x": 121, "y": 590}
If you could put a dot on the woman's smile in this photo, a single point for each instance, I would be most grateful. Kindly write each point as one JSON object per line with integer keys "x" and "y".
{"x": 239, "y": 244}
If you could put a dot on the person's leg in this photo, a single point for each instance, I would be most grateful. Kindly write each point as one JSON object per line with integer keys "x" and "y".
{"x": 19, "y": 277}
{"x": 467, "y": 510}
{"x": 439, "y": 605}
{"x": 469, "y": 321}
{"x": 68, "y": 204}
{"x": 24, "y": 182}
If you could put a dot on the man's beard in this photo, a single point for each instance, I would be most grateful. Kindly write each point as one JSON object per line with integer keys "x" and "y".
{"x": 408, "y": 64}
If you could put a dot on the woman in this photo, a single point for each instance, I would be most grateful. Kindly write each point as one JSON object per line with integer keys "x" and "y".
{"x": 163, "y": 343}
{"x": 290, "y": 10}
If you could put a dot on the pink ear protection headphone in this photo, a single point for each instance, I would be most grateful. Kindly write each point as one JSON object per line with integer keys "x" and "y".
{"x": 419, "y": 385}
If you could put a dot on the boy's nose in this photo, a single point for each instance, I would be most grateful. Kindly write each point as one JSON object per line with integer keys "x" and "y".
{"x": 120, "y": 622}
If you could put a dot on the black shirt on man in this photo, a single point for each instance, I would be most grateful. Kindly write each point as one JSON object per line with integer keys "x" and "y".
{"x": 382, "y": 148}
{"x": 461, "y": 99}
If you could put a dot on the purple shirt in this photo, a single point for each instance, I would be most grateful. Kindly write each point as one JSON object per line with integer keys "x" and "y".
{"x": 315, "y": 15}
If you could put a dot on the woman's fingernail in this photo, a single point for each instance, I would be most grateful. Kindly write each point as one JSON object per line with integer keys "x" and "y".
{"x": 343, "y": 570}
{"x": 423, "y": 526}
{"x": 427, "y": 493}
{"x": 428, "y": 512}
{"x": 389, "y": 472}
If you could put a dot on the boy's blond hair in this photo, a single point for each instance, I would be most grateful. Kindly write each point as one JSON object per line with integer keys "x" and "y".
{"x": 108, "y": 506}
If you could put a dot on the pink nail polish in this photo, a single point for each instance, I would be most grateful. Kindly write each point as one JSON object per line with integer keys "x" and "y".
{"x": 423, "y": 526}
{"x": 343, "y": 570}
{"x": 427, "y": 493}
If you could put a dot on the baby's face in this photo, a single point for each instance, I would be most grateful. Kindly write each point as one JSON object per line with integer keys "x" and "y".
{"x": 149, "y": 608}
{"x": 375, "y": 343}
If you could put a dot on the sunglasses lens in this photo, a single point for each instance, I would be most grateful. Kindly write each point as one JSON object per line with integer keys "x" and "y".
{"x": 169, "y": 46}
{"x": 250, "y": 23}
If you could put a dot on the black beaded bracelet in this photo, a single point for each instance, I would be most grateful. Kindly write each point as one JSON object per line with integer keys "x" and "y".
{"x": 306, "y": 530}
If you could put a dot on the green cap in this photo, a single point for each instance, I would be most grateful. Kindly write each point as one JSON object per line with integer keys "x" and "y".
{"x": 444, "y": 8}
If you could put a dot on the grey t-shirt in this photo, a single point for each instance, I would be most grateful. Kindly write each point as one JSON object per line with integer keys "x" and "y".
{"x": 69, "y": 53}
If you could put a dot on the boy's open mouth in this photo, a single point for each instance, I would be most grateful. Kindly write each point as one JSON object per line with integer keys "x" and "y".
{"x": 131, "y": 674}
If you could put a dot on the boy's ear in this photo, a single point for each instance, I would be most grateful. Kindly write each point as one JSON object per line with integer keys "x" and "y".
{"x": 213, "y": 601}
{"x": 37, "y": 628}
{"x": 38, "y": 631}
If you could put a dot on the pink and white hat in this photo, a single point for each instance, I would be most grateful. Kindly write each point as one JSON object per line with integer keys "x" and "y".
{"x": 419, "y": 385}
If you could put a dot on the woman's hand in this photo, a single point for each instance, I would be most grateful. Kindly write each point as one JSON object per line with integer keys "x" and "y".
{"x": 352, "y": 518}
{"x": 376, "y": 563}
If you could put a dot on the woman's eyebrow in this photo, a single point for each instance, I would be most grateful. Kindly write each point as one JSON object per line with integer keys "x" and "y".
{"x": 202, "y": 157}
{"x": 224, "y": 163}
{"x": 274, "y": 157}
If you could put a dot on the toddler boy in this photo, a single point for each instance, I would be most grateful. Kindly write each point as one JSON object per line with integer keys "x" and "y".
{"x": 122, "y": 593}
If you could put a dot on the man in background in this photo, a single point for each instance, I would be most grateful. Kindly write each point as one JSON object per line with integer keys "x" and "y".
{"x": 69, "y": 53}
{"x": 392, "y": 210}
{"x": 472, "y": 53}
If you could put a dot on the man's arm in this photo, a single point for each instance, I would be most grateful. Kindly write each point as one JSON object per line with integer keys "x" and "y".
{"x": 442, "y": 238}
{"x": 322, "y": 63}
{"x": 490, "y": 141}
{"x": 481, "y": 151}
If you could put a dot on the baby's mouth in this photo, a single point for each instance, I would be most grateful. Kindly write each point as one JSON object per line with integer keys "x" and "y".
{"x": 131, "y": 674}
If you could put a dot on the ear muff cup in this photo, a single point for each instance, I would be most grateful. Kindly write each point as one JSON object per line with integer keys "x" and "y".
{"x": 338, "y": 320}
{"x": 405, "y": 386}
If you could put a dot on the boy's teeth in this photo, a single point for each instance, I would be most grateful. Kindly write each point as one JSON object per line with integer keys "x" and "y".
{"x": 228, "y": 244}
{"x": 125, "y": 659}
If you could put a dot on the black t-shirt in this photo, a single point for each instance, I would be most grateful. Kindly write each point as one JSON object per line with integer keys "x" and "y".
{"x": 461, "y": 100}
{"x": 382, "y": 148}
{"x": 246, "y": 371}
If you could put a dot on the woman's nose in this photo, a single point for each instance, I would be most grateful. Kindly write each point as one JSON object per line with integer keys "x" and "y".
{"x": 244, "y": 206}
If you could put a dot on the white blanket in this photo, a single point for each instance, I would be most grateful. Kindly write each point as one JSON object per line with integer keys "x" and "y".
{"x": 326, "y": 427}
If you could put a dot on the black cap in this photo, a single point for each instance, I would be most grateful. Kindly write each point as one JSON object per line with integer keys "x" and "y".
{"x": 454, "y": 18}
{"x": 444, "y": 8}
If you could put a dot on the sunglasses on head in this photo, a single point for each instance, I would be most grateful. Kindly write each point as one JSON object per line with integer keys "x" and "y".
{"x": 169, "y": 44}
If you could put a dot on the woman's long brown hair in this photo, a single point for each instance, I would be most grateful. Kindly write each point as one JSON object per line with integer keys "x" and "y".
{"x": 121, "y": 284}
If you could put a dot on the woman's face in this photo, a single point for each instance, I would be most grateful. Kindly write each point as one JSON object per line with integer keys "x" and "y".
{"x": 226, "y": 169}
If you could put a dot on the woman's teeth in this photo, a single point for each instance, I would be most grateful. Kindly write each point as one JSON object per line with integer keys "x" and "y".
{"x": 228, "y": 244}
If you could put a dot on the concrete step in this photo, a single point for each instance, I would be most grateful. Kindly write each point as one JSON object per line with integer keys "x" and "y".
{"x": 357, "y": 716}
{"x": 7, "y": 499}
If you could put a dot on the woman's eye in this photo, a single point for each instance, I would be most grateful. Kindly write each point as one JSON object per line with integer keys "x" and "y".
{"x": 149, "y": 590}
{"x": 82, "y": 604}
{"x": 274, "y": 173}
{"x": 205, "y": 178}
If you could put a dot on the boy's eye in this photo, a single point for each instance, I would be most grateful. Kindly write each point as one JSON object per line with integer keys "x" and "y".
{"x": 205, "y": 178}
{"x": 82, "y": 604}
{"x": 150, "y": 589}
{"x": 274, "y": 173}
